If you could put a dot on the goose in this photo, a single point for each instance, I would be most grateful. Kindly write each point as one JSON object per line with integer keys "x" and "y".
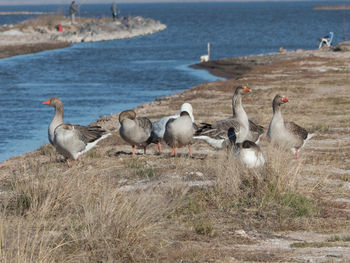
{"x": 158, "y": 126}
{"x": 206, "y": 58}
{"x": 72, "y": 141}
{"x": 247, "y": 152}
{"x": 286, "y": 134}
{"x": 216, "y": 134}
{"x": 135, "y": 130}
{"x": 179, "y": 132}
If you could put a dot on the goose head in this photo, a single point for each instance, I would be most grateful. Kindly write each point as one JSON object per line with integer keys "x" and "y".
{"x": 187, "y": 107}
{"x": 242, "y": 89}
{"x": 54, "y": 102}
{"x": 278, "y": 101}
{"x": 128, "y": 114}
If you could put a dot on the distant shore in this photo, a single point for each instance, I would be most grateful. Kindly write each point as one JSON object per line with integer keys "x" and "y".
{"x": 332, "y": 7}
{"x": 50, "y": 31}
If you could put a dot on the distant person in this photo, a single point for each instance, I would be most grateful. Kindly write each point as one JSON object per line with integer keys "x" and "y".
{"x": 125, "y": 21}
{"x": 72, "y": 11}
{"x": 115, "y": 11}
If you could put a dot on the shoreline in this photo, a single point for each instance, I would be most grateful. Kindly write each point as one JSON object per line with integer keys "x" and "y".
{"x": 9, "y": 51}
{"x": 227, "y": 68}
{"x": 230, "y": 69}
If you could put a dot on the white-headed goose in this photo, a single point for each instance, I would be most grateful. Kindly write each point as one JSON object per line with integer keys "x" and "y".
{"x": 179, "y": 132}
{"x": 286, "y": 134}
{"x": 247, "y": 152}
{"x": 216, "y": 134}
{"x": 158, "y": 126}
{"x": 135, "y": 130}
{"x": 72, "y": 140}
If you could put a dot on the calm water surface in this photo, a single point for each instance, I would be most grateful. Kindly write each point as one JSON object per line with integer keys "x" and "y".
{"x": 95, "y": 79}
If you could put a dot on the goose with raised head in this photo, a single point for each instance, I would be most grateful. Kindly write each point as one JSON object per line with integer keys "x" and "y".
{"x": 216, "y": 134}
{"x": 158, "y": 126}
{"x": 286, "y": 134}
{"x": 71, "y": 140}
{"x": 247, "y": 152}
{"x": 135, "y": 130}
{"x": 206, "y": 58}
{"x": 179, "y": 132}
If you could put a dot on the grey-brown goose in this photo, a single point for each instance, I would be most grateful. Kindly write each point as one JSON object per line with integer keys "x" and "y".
{"x": 71, "y": 140}
{"x": 216, "y": 134}
{"x": 247, "y": 152}
{"x": 158, "y": 126}
{"x": 179, "y": 132}
{"x": 135, "y": 130}
{"x": 286, "y": 134}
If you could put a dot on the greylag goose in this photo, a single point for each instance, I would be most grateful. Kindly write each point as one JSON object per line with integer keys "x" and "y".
{"x": 286, "y": 134}
{"x": 135, "y": 130}
{"x": 216, "y": 134}
{"x": 158, "y": 126}
{"x": 179, "y": 132}
{"x": 71, "y": 140}
{"x": 247, "y": 152}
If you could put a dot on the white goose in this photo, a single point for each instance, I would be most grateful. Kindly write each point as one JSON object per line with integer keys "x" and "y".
{"x": 179, "y": 132}
{"x": 206, "y": 58}
{"x": 247, "y": 152}
{"x": 72, "y": 140}
{"x": 216, "y": 134}
{"x": 135, "y": 131}
{"x": 158, "y": 126}
{"x": 286, "y": 134}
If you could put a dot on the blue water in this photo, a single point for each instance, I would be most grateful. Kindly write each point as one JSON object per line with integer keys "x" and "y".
{"x": 96, "y": 79}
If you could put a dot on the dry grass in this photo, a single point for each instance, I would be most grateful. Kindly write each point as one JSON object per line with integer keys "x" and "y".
{"x": 57, "y": 217}
{"x": 74, "y": 215}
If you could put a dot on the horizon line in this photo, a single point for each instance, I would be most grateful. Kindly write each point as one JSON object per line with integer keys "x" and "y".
{"x": 93, "y": 2}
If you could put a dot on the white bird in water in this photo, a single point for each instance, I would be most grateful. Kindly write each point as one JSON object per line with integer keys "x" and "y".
{"x": 206, "y": 58}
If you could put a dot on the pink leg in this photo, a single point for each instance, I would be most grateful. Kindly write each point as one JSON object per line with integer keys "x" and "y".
{"x": 190, "y": 149}
{"x": 173, "y": 152}
{"x": 297, "y": 153}
{"x": 159, "y": 147}
{"x": 133, "y": 150}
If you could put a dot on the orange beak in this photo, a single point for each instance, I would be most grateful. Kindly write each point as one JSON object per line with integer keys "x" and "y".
{"x": 284, "y": 99}
{"x": 47, "y": 102}
{"x": 246, "y": 89}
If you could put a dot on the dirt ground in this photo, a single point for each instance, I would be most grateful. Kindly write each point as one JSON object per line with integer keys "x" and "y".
{"x": 317, "y": 85}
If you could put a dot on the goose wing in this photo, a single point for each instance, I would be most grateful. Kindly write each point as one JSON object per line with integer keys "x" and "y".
{"x": 296, "y": 130}
{"x": 144, "y": 123}
{"x": 217, "y": 130}
{"x": 88, "y": 133}
{"x": 253, "y": 127}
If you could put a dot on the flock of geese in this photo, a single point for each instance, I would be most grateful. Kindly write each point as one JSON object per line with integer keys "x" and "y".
{"x": 237, "y": 132}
